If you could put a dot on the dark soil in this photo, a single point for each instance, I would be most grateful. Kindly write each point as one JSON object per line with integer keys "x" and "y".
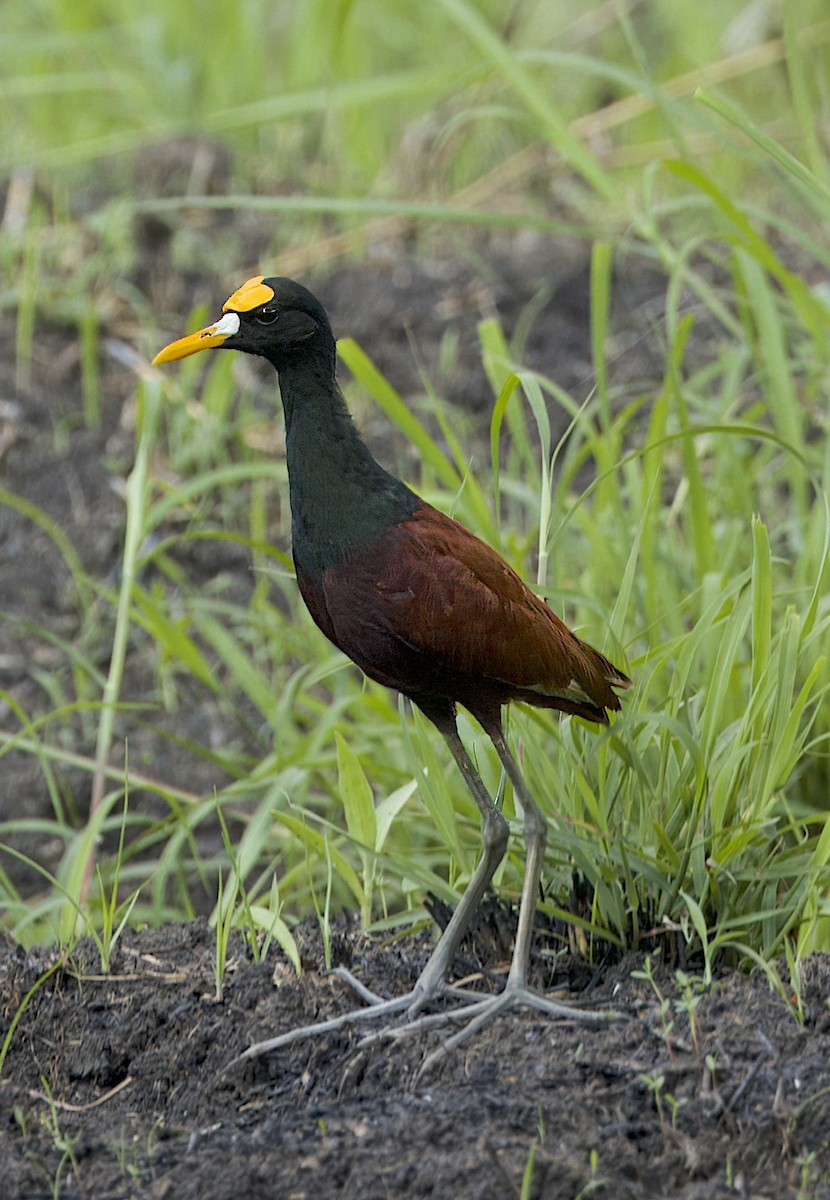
{"x": 115, "y": 1085}
{"x": 120, "y": 1086}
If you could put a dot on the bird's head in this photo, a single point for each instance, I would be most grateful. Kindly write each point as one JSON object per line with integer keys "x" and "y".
{"x": 271, "y": 317}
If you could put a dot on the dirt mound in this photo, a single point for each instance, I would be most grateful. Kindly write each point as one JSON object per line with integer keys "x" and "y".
{"x": 116, "y": 1085}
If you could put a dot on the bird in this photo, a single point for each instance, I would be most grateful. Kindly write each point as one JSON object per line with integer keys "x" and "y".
{"x": 421, "y": 605}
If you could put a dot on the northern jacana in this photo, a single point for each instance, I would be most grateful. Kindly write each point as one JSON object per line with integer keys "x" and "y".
{"x": 418, "y": 603}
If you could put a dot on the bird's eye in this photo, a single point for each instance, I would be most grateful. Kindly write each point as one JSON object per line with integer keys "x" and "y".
{"x": 267, "y": 316}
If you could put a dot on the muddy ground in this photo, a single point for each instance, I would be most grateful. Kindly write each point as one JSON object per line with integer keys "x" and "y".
{"x": 115, "y": 1086}
{"x": 120, "y": 1086}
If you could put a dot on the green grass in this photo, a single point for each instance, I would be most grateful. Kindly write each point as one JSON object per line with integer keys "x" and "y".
{"x": 697, "y": 553}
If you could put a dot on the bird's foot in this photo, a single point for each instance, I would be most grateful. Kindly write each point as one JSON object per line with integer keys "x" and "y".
{"x": 412, "y": 1002}
{"x": 479, "y": 1013}
{"x": 475, "y": 1012}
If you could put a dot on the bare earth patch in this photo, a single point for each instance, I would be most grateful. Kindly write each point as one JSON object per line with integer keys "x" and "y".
{"x": 129, "y": 1070}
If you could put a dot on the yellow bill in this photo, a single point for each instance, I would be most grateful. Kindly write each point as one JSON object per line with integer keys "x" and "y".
{"x": 203, "y": 339}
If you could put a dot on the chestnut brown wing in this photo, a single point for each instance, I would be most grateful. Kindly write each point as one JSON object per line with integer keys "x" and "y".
{"x": 430, "y": 600}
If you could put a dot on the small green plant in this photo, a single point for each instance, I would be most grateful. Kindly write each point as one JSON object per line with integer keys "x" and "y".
{"x": 115, "y": 915}
{"x": 527, "y": 1175}
{"x": 793, "y": 991}
{"x": 128, "y": 1164}
{"x": 62, "y": 1142}
{"x": 324, "y": 913}
{"x": 224, "y": 924}
{"x": 595, "y": 1181}
{"x": 810, "y": 1175}
{"x": 655, "y": 1084}
{"x": 58, "y": 965}
{"x": 662, "y": 1099}
{"x": 260, "y": 923}
{"x": 692, "y": 991}
{"x": 674, "y": 1105}
{"x": 664, "y": 1006}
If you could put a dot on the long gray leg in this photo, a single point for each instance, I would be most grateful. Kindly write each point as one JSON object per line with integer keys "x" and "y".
{"x": 516, "y": 993}
{"x": 494, "y": 835}
{"x": 535, "y": 839}
{"x": 432, "y": 980}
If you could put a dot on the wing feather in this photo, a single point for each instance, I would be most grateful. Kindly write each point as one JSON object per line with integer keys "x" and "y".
{"x": 430, "y": 601}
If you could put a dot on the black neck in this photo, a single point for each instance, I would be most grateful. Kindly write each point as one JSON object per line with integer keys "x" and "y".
{"x": 341, "y": 498}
